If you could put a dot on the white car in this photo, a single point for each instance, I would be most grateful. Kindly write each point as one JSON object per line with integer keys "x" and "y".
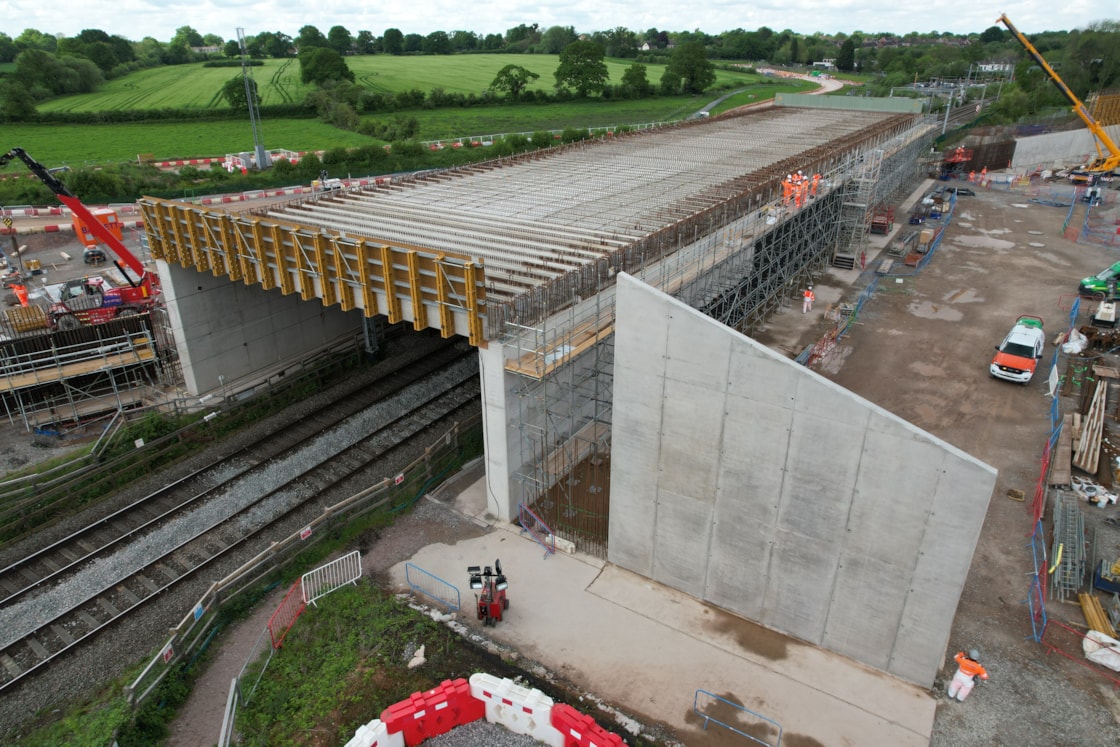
{"x": 1017, "y": 356}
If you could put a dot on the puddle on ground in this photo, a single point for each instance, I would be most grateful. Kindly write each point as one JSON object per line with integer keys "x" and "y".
{"x": 926, "y": 370}
{"x": 982, "y": 242}
{"x": 940, "y": 311}
{"x": 963, "y": 295}
{"x": 1059, "y": 261}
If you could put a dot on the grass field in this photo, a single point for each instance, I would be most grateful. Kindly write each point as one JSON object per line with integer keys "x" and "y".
{"x": 75, "y": 145}
{"x": 197, "y": 87}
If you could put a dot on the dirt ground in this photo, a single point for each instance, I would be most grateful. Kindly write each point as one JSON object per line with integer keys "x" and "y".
{"x": 921, "y": 349}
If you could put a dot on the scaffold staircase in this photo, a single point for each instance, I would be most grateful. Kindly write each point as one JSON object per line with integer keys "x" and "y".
{"x": 855, "y": 216}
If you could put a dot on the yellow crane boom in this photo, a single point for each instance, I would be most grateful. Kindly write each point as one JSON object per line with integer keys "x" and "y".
{"x": 1108, "y": 155}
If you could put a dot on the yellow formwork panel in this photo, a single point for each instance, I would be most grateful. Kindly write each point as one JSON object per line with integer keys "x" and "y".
{"x": 200, "y": 258}
{"x": 393, "y": 300}
{"x": 285, "y": 267}
{"x": 415, "y": 290}
{"x": 369, "y": 298}
{"x": 346, "y": 278}
{"x": 441, "y": 289}
{"x": 326, "y": 284}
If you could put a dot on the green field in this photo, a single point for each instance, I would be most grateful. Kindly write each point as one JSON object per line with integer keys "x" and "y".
{"x": 196, "y": 87}
{"x": 77, "y": 145}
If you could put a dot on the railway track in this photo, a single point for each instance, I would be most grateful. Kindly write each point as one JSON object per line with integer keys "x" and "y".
{"x": 75, "y": 589}
{"x": 34, "y": 569}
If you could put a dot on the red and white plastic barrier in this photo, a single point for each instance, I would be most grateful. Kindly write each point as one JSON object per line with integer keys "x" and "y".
{"x": 501, "y": 701}
{"x": 519, "y": 709}
{"x": 376, "y": 734}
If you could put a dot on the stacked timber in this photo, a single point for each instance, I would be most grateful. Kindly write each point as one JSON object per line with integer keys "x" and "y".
{"x": 1063, "y": 453}
{"x": 1089, "y": 445}
{"x": 1095, "y": 616}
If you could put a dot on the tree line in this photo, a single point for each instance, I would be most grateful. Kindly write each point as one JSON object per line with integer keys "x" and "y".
{"x": 46, "y": 66}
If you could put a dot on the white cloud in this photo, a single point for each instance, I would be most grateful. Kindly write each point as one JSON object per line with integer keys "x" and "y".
{"x": 136, "y": 19}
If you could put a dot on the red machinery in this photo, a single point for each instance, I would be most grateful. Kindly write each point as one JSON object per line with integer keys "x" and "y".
{"x": 89, "y": 301}
{"x": 493, "y": 600}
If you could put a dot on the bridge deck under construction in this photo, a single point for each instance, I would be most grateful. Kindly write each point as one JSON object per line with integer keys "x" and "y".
{"x": 448, "y": 249}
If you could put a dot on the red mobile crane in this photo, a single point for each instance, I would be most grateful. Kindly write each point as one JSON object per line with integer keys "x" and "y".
{"x": 88, "y": 301}
{"x": 1103, "y": 163}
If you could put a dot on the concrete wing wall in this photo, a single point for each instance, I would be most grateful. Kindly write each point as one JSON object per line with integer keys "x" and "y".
{"x": 1059, "y": 149}
{"x": 225, "y": 328}
{"x": 744, "y": 479}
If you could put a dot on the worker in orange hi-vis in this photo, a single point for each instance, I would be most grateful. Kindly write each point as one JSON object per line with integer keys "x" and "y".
{"x": 984, "y": 176}
{"x": 813, "y": 188}
{"x": 972, "y": 177}
{"x": 968, "y": 669}
{"x": 807, "y": 299}
{"x": 787, "y": 189}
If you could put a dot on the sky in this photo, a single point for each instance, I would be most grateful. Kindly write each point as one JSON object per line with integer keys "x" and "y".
{"x": 136, "y": 19}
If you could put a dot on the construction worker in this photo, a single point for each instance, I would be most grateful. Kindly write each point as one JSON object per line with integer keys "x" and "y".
{"x": 972, "y": 177}
{"x": 968, "y": 669}
{"x": 816, "y": 181}
{"x": 787, "y": 189}
{"x": 807, "y": 299}
{"x": 984, "y": 176}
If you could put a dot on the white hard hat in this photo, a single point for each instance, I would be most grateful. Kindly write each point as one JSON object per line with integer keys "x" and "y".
{"x": 789, "y": 176}
{"x": 974, "y": 655}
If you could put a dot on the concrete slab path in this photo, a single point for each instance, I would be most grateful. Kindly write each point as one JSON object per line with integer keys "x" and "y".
{"x": 647, "y": 649}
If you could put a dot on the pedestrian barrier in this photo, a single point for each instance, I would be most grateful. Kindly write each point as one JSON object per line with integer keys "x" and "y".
{"x": 432, "y": 586}
{"x": 540, "y": 531}
{"x": 286, "y": 615}
{"x": 434, "y": 712}
{"x": 703, "y": 700}
{"x": 323, "y": 580}
{"x": 517, "y": 708}
{"x": 455, "y": 703}
{"x": 376, "y": 734}
{"x": 580, "y": 730}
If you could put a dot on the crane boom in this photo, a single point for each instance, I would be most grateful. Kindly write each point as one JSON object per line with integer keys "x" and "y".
{"x": 1103, "y": 142}
{"x": 77, "y": 208}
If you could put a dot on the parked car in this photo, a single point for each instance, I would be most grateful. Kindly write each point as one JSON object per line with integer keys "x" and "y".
{"x": 1099, "y": 283}
{"x": 1017, "y": 356}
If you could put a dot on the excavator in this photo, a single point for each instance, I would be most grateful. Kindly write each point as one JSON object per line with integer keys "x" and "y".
{"x": 1105, "y": 163}
{"x": 88, "y": 301}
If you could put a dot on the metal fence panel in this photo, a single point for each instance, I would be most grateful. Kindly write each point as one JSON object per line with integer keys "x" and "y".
{"x": 335, "y": 574}
{"x": 432, "y": 586}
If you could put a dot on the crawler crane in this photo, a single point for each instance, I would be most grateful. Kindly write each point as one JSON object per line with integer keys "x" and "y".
{"x": 1106, "y": 162}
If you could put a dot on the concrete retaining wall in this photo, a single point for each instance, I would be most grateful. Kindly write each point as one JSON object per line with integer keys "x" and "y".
{"x": 1059, "y": 149}
{"x": 236, "y": 331}
{"x": 744, "y": 479}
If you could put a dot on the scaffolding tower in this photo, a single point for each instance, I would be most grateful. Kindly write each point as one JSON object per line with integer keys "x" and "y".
{"x": 66, "y": 377}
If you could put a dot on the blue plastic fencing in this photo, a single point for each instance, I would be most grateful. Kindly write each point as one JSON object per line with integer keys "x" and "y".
{"x": 1036, "y": 594}
{"x": 765, "y": 729}
{"x": 432, "y": 587}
